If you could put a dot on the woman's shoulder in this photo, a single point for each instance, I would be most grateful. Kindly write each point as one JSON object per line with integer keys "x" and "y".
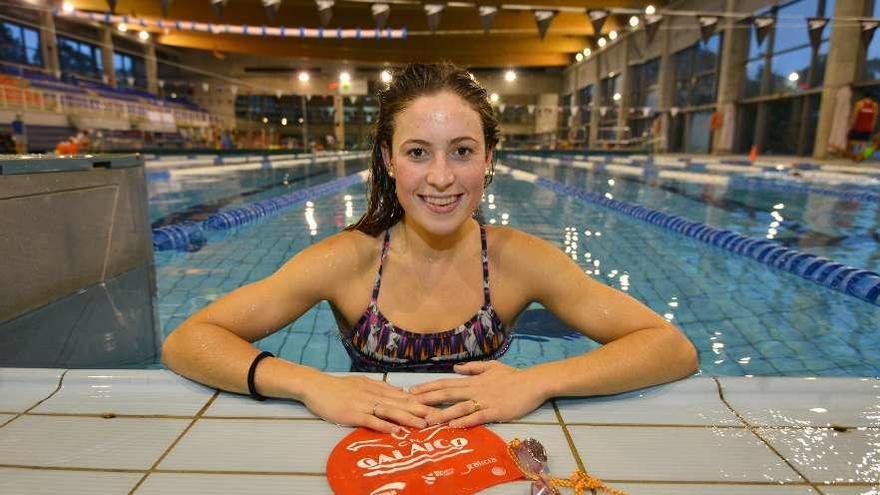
{"x": 346, "y": 252}
{"x": 510, "y": 246}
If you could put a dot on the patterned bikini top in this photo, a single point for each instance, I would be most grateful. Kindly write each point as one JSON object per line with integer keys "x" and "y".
{"x": 377, "y": 345}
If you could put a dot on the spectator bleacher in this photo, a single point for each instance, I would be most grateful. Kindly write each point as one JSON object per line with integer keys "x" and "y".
{"x": 93, "y": 106}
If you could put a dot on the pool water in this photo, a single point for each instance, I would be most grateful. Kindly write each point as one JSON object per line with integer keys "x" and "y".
{"x": 745, "y": 317}
{"x": 839, "y": 228}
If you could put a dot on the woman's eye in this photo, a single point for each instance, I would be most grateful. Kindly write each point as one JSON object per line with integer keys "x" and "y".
{"x": 416, "y": 152}
{"x": 463, "y": 152}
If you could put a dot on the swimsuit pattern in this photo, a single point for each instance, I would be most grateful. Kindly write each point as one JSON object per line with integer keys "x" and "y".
{"x": 377, "y": 345}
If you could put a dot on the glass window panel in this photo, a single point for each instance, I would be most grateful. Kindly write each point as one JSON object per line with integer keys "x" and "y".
{"x": 703, "y": 92}
{"x": 13, "y": 31}
{"x": 790, "y": 70}
{"x": 791, "y": 28}
{"x": 829, "y": 9}
{"x": 754, "y": 72}
{"x": 33, "y": 56}
{"x": 31, "y": 39}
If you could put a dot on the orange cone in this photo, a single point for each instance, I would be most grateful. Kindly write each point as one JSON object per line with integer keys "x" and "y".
{"x": 753, "y": 154}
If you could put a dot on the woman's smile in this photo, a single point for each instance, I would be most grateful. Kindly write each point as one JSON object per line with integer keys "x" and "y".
{"x": 441, "y": 204}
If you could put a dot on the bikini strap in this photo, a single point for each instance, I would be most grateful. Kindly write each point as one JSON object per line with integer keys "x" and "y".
{"x": 484, "y": 257}
{"x": 382, "y": 257}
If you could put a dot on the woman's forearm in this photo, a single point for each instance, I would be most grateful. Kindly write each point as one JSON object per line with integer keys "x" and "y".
{"x": 643, "y": 358}
{"x": 218, "y": 358}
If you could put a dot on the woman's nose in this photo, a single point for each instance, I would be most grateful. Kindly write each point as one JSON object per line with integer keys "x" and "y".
{"x": 440, "y": 174}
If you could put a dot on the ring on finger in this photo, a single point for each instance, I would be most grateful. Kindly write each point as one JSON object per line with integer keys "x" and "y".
{"x": 375, "y": 406}
{"x": 477, "y": 406}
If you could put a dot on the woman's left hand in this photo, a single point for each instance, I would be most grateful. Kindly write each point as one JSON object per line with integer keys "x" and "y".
{"x": 494, "y": 392}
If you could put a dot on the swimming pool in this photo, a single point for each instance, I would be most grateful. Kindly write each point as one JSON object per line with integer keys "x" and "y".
{"x": 745, "y": 317}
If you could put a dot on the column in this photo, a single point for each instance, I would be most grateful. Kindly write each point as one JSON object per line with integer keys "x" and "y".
{"x": 665, "y": 85}
{"x": 598, "y": 101}
{"x": 151, "y": 66}
{"x": 107, "y": 55}
{"x": 339, "y": 120}
{"x": 623, "y": 108}
{"x": 49, "y": 44}
{"x": 844, "y": 56}
{"x": 731, "y": 77}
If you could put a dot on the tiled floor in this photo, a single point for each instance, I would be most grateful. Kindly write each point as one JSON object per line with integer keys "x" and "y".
{"x": 149, "y": 431}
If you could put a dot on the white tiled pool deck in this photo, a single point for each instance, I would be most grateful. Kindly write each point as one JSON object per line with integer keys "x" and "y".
{"x": 152, "y": 432}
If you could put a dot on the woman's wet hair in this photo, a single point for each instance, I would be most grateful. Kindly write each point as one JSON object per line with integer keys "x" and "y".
{"x": 408, "y": 84}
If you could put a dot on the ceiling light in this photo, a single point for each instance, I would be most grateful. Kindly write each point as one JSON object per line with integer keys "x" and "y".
{"x": 122, "y": 27}
{"x": 303, "y": 76}
{"x": 612, "y": 35}
{"x": 579, "y": 56}
{"x": 493, "y": 97}
{"x": 634, "y": 21}
{"x": 144, "y": 36}
{"x": 344, "y": 77}
{"x": 650, "y": 10}
{"x": 386, "y": 76}
{"x": 510, "y": 76}
{"x": 67, "y": 7}
{"x": 587, "y": 52}
{"x": 602, "y": 42}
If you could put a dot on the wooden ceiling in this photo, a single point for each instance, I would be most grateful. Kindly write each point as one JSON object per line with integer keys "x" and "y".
{"x": 512, "y": 42}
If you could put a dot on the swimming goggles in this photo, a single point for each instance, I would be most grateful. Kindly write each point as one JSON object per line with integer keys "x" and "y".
{"x": 531, "y": 458}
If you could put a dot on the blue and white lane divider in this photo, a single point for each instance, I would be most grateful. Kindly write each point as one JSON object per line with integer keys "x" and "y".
{"x": 692, "y": 174}
{"x": 863, "y": 284}
{"x": 190, "y": 236}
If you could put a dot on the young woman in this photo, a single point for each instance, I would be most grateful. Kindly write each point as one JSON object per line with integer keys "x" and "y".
{"x": 403, "y": 279}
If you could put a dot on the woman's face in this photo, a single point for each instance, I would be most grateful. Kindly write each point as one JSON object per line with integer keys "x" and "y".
{"x": 438, "y": 159}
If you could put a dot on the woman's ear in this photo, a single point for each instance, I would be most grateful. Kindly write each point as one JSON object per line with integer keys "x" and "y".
{"x": 386, "y": 160}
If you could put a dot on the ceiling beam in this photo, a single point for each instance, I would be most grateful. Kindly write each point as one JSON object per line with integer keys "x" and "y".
{"x": 399, "y": 53}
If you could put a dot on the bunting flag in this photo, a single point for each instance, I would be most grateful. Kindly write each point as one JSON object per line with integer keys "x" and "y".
{"x": 816, "y": 27}
{"x": 868, "y": 28}
{"x": 271, "y": 7}
{"x": 708, "y": 24}
{"x": 763, "y": 25}
{"x": 112, "y": 5}
{"x": 597, "y": 19}
{"x": 165, "y": 4}
{"x": 381, "y": 11}
{"x": 325, "y": 11}
{"x": 161, "y": 83}
{"x": 278, "y": 93}
{"x": 217, "y": 7}
{"x": 574, "y": 111}
{"x": 233, "y": 89}
{"x": 205, "y": 87}
{"x": 487, "y": 15}
{"x": 544, "y": 18}
{"x": 433, "y": 11}
{"x": 530, "y": 109}
{"x": 646, "y": 111}
{"x": 501, "y": 107}
{"x": 674, "y": 111}
{"x": 652, "y": 25}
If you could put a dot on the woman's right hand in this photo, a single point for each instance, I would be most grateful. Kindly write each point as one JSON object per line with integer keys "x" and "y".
{"x": 361, "y": 401}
